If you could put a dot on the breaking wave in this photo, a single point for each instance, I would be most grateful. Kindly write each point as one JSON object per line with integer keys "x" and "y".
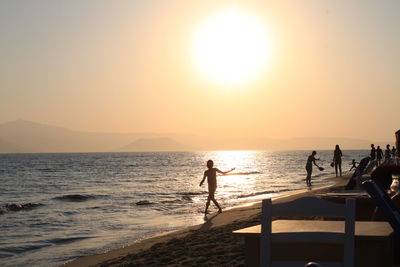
{"x": 75, "y": 197}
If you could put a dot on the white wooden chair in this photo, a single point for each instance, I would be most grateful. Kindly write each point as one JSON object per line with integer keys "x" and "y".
{"x": 307, "y": 206}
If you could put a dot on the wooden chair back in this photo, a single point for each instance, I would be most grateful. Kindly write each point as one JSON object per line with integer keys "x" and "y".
{"x": 308, "y": 206}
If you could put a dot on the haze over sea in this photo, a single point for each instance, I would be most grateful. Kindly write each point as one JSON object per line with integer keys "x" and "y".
{"x": 71, "y": 205}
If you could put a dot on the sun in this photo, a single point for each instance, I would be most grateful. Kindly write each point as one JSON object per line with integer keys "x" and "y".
{"x": 231, "y": 48}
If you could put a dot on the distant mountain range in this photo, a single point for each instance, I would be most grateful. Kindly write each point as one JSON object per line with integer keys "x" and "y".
{"x": 23, "y": 136}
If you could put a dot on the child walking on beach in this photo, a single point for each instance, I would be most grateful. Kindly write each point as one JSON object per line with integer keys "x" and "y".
{"x": 211, "y": 175}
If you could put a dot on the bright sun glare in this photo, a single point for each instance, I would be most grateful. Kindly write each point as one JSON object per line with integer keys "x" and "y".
{"x": 231, "y": 48}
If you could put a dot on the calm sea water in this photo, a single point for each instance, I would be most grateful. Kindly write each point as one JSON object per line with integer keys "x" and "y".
{"x": 56, "y": 207}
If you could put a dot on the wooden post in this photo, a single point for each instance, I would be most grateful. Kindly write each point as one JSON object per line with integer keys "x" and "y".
{"x": 349, "y": 229}
{"x": 265, "y": 239}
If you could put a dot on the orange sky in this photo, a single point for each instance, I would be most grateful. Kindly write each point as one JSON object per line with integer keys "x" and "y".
{"x": 127, "y": 66}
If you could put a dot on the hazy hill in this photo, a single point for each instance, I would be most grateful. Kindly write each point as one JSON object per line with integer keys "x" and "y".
{"x": 36, "y": 137}
{"x": 26, "y": 136}
{"x": 32, "y": 137}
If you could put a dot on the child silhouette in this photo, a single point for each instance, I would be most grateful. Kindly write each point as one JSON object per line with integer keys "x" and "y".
{"x": 211, "y": 174}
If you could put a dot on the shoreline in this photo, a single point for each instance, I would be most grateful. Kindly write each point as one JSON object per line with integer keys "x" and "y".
{"x": 166, "y": 248}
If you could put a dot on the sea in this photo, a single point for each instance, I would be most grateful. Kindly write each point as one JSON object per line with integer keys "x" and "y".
{"x": 57, "y": 207}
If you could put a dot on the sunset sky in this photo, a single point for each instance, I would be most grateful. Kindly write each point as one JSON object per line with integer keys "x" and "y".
{"x": 329, "y": 68}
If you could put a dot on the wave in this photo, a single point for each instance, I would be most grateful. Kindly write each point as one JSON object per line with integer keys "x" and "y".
{"x": 18, "y": 207}
{"x": 262, "y": 193}
{"x": 5, "y": 255}
{"x": 67, "y": 240}
{"x": 21, "y": 249}
{"x": 145, "y": 202}
{"x": 10, "y": 251}
{"x": 50, "y": 170}
{"x": 75, "y": 197}
{"x": 192, "y": 193}
{"x": 183, "y": 199}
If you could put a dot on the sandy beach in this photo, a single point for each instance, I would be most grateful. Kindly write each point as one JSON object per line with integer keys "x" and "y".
{"x": 209, "y": 244}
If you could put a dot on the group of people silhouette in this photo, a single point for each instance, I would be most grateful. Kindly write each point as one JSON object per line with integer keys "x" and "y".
{"x": 336, "y": 162}
{"x": 376, "y": 155}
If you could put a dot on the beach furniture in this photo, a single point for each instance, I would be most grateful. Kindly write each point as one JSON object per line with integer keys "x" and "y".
{"x": 373, "y": 242}
{"x": 388, "y": 209}
{"x": 365, "y": 205}
{"x": 385, "y": 204}
{"x": 357, "y": 175}
{"x": 307, "y": 232}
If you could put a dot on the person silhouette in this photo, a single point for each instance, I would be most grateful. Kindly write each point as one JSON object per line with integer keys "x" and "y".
{"x": 373, "y": 152}
{"x": 388, "y": 153}
{"x": 211, "y": 174}
{"x": 354, "y": 164}
{"x": 337, "y": 160}
{"x": 379, "y": 155}
{"x": 310, "y": 161}
{"x": 397, "y": 134}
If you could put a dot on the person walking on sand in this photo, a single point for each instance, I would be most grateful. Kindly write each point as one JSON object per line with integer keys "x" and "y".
{"x": 310, "y": 161}
{"x": 379, "y": 155}
{"x": 211, "y": 175}
{"x": 337, "y": 160}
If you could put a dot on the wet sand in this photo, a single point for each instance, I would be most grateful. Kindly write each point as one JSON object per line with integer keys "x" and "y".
{"x": 209, "y": 244}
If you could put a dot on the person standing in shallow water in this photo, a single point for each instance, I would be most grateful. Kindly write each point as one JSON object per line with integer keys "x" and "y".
{"x": 337, "y": 160}
{"x": 310, "y": 161}
{"x": 211, "y": 175}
